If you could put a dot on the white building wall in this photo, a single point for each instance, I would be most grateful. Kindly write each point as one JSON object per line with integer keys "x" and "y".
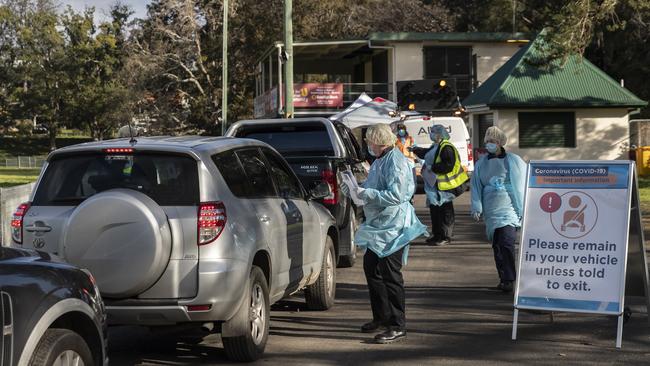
{"x": 491, "y": 56}
{"x": 409, "y": 62}
{"x": 601, "y": 134}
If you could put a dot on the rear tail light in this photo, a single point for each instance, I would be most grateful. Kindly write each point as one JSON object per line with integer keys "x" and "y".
{"x": 17, "y": 222}
{"x": 470, "y": 152}
{"x": 330, "y": 178}
{"x": 211, "y": 221}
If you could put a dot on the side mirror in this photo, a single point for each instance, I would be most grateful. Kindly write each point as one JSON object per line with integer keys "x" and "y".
{"x": 320, "y": 191}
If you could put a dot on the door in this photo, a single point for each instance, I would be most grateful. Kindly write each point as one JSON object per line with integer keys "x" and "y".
{"x": 355, "y": 154}
{"x": 303, "y": 225}
{"x": 274, "y": 219}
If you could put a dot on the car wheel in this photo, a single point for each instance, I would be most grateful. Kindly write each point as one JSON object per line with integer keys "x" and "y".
{"x": 320, "y": 295}
{"x": 62, "y": 347}
{"x": 252, "y": 319}
{"x": 349, "y": 260}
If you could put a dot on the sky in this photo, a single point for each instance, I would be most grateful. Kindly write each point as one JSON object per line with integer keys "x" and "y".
{"x": 102, "y": 6}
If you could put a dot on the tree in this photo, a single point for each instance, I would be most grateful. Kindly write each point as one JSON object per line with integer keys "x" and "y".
{"x": 177, "y": 75}
{"x": 39, "y": 63}
{"x": 100, "y": 98}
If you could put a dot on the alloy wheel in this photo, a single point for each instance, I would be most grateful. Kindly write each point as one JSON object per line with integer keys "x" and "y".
{"x": 257, "y": 313}
{"x": 69, "y": 358}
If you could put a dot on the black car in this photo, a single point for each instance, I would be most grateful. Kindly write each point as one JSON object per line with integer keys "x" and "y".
{"x": 317, "y": 150}
{"x": 50, "y": 311}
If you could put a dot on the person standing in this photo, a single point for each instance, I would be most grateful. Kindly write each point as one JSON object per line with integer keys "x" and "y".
{"x": 405, "y": 144}
{"x": 498, "y": 186}
{"x": 390, "y": 225}
{"x": 443, "y": 161}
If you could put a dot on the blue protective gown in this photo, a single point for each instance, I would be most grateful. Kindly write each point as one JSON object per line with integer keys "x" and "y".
{"x": 434, "y": 196}
{"x": 498, "y": 191}
{"x": 391, "y": 222}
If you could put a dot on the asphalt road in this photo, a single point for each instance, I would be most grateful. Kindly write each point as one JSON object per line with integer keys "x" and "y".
{"x": 454, "y": 316}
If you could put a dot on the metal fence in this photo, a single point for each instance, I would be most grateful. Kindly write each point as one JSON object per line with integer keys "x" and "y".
{"x": 10, "y": 198}
{"x": 23, "y": 162}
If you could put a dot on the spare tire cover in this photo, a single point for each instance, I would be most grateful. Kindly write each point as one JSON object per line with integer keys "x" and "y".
{"x": 122, "y": 236}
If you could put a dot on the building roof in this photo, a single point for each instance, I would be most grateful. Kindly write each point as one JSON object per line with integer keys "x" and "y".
{"x": 450, "y": 36}
{"x": 578, "y": 83}
{"x": 458, "y": 37}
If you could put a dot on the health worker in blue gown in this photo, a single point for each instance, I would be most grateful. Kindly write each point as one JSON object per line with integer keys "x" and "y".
{"x": 390, "y": 225}
{"x": 498, "y": 185}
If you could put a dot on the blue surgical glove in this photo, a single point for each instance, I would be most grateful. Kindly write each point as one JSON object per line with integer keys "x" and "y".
{"x": 476, "y": 216}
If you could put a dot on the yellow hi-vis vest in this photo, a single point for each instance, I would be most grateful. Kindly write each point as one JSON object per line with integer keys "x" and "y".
{"x": 457, "y": 176}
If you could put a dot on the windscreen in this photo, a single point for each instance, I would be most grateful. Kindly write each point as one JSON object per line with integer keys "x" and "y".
{"x": 293, "y": 140}
{"x": 169, "y": 180}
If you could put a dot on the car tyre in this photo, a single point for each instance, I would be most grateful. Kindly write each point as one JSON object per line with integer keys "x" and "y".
{"x": 320, "y": 295}
{"x": 347, "y": 261}
{"x": 61, "y": 347}
{"x": 252, "y": 319}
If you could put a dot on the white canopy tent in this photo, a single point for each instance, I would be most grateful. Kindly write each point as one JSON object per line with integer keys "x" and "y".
{"x": 365, "y": 112}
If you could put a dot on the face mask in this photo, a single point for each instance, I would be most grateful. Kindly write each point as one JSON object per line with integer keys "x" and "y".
{"x": 370, "y": 152}
{"x": 491, "y": 147}
{"x": 402, "y": 133}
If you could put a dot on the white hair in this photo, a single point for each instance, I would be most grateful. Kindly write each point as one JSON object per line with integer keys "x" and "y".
{"x": 494, "y": 133}
{"x": 381, "y": 135}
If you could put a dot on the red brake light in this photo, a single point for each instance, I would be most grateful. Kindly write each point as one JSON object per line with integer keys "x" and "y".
{"x": 199, "y": 307}
{"x": 470, "y": 152}
{"x": 330, "y": 178}
{"x": 17, "y": 222}
{"x": 426, "y": 118}
{"x": 211, "y": 221}
{"x": 119, "y": 150}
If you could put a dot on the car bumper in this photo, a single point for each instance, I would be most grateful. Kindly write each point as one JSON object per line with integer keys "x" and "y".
{"x": 221, "y": 286}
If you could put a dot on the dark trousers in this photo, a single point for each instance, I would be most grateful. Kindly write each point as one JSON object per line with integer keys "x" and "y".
{"x": 503, "y": 244}
{"x": 386, "y": 287}
{"x": 442, "y": 220}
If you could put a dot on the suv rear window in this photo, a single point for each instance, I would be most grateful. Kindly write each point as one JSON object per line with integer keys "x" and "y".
{"x": 292, "y": 140}
{"x": 168, "y": 179}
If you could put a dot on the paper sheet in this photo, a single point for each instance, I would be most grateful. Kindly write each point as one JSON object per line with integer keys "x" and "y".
{"x": 350, "y": 181}
{"x": 428, "y": 176}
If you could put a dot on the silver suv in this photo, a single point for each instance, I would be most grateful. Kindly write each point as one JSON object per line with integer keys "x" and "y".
{"x": 185, "y": 229}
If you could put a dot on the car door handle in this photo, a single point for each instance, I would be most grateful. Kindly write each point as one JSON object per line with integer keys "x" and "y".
{"x": 38, "y": 228}
{"x": 264, "y": 218}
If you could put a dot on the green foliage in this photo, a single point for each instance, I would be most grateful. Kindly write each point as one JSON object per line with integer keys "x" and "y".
{"x": 33, "y": 145}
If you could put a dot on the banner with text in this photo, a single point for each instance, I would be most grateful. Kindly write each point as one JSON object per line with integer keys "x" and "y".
{"x": 317, "y": 95}
{"x": 574, "y": 239}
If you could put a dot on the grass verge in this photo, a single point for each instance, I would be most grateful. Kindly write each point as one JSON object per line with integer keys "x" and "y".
{"x": 16, "y": 176}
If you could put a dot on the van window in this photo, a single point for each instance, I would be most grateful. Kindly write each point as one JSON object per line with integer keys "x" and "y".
{"x": 292, "y": 140}
{"x": 168, "y": 180}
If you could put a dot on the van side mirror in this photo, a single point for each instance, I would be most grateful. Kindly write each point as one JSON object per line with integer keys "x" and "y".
{"x": 320, "y": 191}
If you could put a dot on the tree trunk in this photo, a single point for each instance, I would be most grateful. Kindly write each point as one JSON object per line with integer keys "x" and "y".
{"x": 52, "y": 135}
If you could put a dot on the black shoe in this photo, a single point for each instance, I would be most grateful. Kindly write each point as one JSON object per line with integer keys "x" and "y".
{"x": 432, "y": 239}
{"x": 390, "y": 336}
{"x": 505, "y": 286}
{"x": 373, "y": 326}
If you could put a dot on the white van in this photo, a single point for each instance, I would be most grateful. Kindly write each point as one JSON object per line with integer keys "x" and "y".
{"x": 420, "y": 126}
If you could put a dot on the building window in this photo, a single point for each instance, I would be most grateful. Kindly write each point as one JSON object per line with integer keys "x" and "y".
{"x": 485, "y": 121}
{"x": 454, "y": 64}
{"x": 547, "y": 129}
